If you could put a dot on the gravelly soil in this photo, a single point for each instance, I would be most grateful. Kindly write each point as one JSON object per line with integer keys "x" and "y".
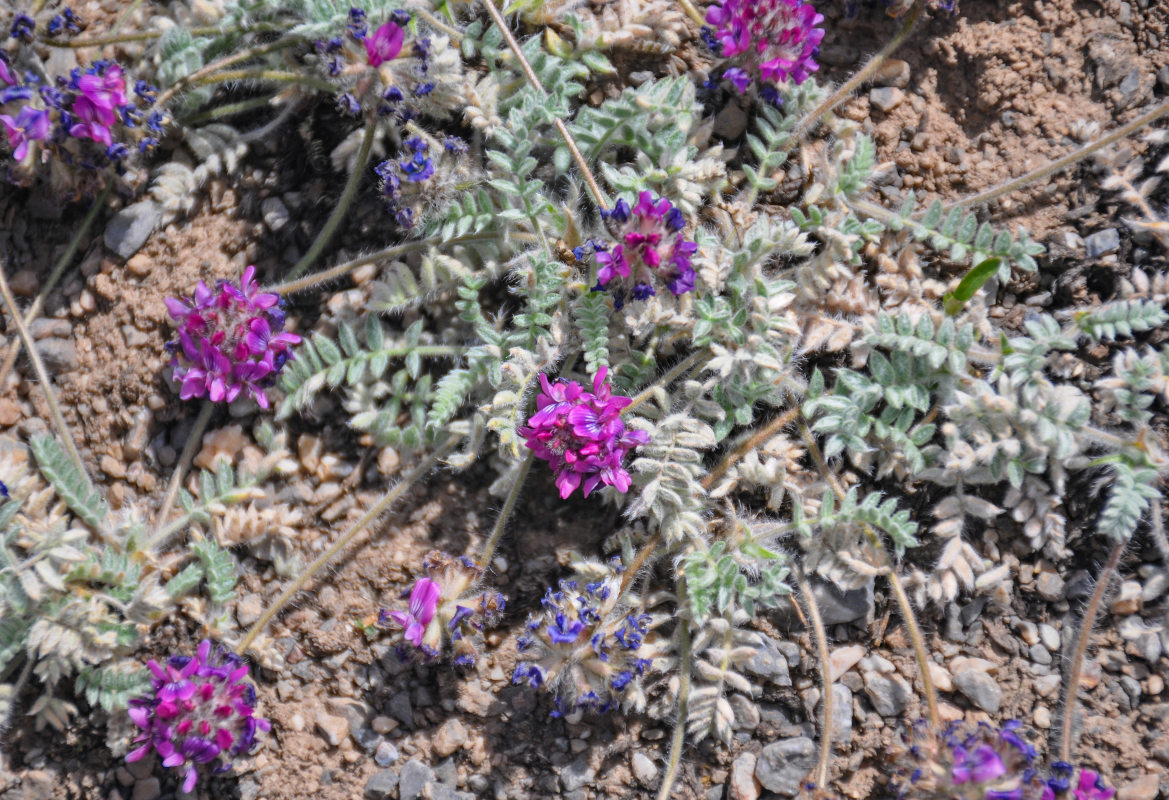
{"x": 975, "y": 99}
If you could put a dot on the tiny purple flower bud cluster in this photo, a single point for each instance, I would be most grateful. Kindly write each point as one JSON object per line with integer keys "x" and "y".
{"x": 651, "y": 244}
{"x": 581, "y": 434}
{"x": 88, "y": 121}
{"x": 201, "y": 713}
{"x": 447, "y": 605}
{"x": 400, "y": 178}
{"x": 230, "y": 341}
{"x": 398, "y": 67}
{"x": 984, "y": 763}
{"x": 772, "y": 40}
{"x": 590, "y": 646}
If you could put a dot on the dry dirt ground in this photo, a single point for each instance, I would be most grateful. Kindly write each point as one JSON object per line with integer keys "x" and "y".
{"x": 971, "y": 101}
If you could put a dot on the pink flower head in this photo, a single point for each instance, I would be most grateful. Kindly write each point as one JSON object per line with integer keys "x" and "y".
{"x": 581, "y": 434}
{"x": 1091, "y": 787}
{"x": 423, "y": 603}
{"x": 106, "y": 92}
{"x": 200, "y": 712}
{"x": 776, "y": 39}
{"x": 31, "y": 124}
{"x": 94, "y": 122}
{"x": 231, "y": 341}
{"x": 385, "y": 44}
{"x": 651, "y": 247}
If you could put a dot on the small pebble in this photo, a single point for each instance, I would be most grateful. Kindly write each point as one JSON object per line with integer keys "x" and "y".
{"x": 1102, "y": 242}
{"x": 1050, "y": 586}
{"x": 886, "y": 98}
{"x": 1042, "y": 717}
{"x": 385, "y": 754}
{"x": 334, "y": 729}
{"x": 980, "y": 689}
{"x": 742, "y": 784}
{"x": 1127, "y": 600}
{"x": 644, "y": 769}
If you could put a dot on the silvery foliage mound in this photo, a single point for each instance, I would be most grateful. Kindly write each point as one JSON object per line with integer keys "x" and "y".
{"x": 81, "y": 585}
{"x": 813, "y": 306}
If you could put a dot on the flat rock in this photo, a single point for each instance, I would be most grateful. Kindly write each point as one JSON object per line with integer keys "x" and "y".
{"x": 1102, "y": 242}
{"x": 131, "y": 227}
{"x": 889, "y": 694}
{"x": 841, "y": 713}
{"x": 576, "y": 775}
{"x": 333, "y": 728}
{"x": 449, "y": 738}
{"x": 782, "y": 766}
{"x": 413, "y": 777}
{"x": 842, "y": 659}
{"x": 644, "y": 769}
{"x": 1143, "y": 788}
{"x": 149, "y": 789}
{"x": 894, "y": 72}
{"x": 60, "y": 355}
{"x": 886, "y": 98}
{"x": 768, "y": 662}
{"x": 385, "y": 754}
{"x": 980, "y": 689}
{"x": 743, "y": 785}
{"x": 1050, "y": 586}
{"x": 381, "y": 785}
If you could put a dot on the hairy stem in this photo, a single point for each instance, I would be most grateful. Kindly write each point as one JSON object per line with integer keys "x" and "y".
{"x": 678, "y": 741}
{"x": 825, "y": 678}
{"x": 590, "y": 179}
{"x": 1072, "y": 690}
{"x": 343, "y": 541}
{"x": 343, "y": 204}
{"x": 693, "y": 12}
{"x": 755, "y": 440}
{"x": 455, "y": 34}
{"x": 229, "y": 109}
{"x": 1074, "y": 157}
{"x": 143, "y": 36}
{"x": 42, "y": 374}
{"x": 919, "y": 650}
{"x": 263, "y": 74}
{"x": 54, "y": 275}
{"x": 513, "y": 495}
{"x": 679, "y": 369}
{"x": 226, "y": 61}
{"x": 639, "y": 561}
{"x": 189, "y": 447}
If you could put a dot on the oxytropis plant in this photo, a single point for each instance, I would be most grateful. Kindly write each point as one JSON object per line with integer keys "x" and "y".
{"x": 200, "y": 714}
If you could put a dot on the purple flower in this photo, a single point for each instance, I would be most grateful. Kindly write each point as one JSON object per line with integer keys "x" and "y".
{"x": 230, "y": 341}
{"x": 651, "y": 245}
{"x": 981, "y": 765}
{"x": 1091, "y": 787}
{"x": 31, "y": 124}
{"x": 199, "y": 713}
{"x": 774, "y": 39}
{"x": 385, "y": 44}
{"x": 581, "y": 435}
{"x": 423, "y": 604}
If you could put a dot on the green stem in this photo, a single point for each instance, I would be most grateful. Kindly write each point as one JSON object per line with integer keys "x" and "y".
{"x": 677, "y": 370}
{"x": 433, "y": 21}
{"x": 505, "y": 512}
{"x": 1072, "y": 691}
{"x": 678, "y": 741}
{"x": 189, "y": 448}
{"x": 598, "y": 196}
{"x": 54, "y": 275}
{"x": 343, "y": 204}
{"x": 229, "y": 109}
{"x": 226, "y": 61}
{"x": 343, "y": 541}
{"x": 42, "y": 375}
{"x": 1074, "y": 157}
{"x": 125, "y": 15}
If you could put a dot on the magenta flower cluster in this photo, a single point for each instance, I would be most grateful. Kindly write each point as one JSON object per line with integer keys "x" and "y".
{"x": 230, "y": 341}
{"x": 581, "y": 434}
{"x": 88, "y": 120}
{"x": 651, "y": 247}
{"x": 986, "y": 763}
{"x": 771, "y": 40}
{"x": 201, "y": 713}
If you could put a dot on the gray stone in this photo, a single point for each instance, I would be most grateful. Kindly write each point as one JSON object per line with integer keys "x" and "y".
{"x": 980, "y": 689}
{"x": 1040, "y": 654}
{"x": 893, "y": 72}
{"x": 131, "y": 227}
{"x": 149, "y": 789}
{"x": 1148, "y": 647}
{"x": 1102, "y": 242}
{"x": 791, "y": 651}
{"x": 368, "y": 739}
{"x": 576, "y": 775}
{"x": 1049, "y": 585}
{"x": 889, "y": 694}
{"x": 886, "y": 98}
{"x": 47, "y": 328}
{"x": 449, "y": 738}
{"x": 401, "y": 709}
{"x": 768, "y": 662}
{"x": 447, "y": 772}
{"x": 742, "y": 784}
{"x": 440, "y": 791}
{"x": 972, "y": 610}
{"x": 275, "y": 213}
{"x": 60, "y": 355}
{"x": 334, "y": 729}
{"x": 1131, "y": 83}
{"x": 644, "y": 769}
{"x": 730, "y": 122}
{"x": 837, "y": 607}
{"x": 782, "y": 766}
{"x": 746, "y": 713}
{"x": 841, "y": 713}
{"x": 413, "y": 777}
{"x": 381, "y": 785}
{"x": 385, "y": 754}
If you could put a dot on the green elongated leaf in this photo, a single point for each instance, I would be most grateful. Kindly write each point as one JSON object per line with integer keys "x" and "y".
{"x": 971, "y": 282}
{"x": 219, "y": 568}
{"x": 71, "y": 486}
